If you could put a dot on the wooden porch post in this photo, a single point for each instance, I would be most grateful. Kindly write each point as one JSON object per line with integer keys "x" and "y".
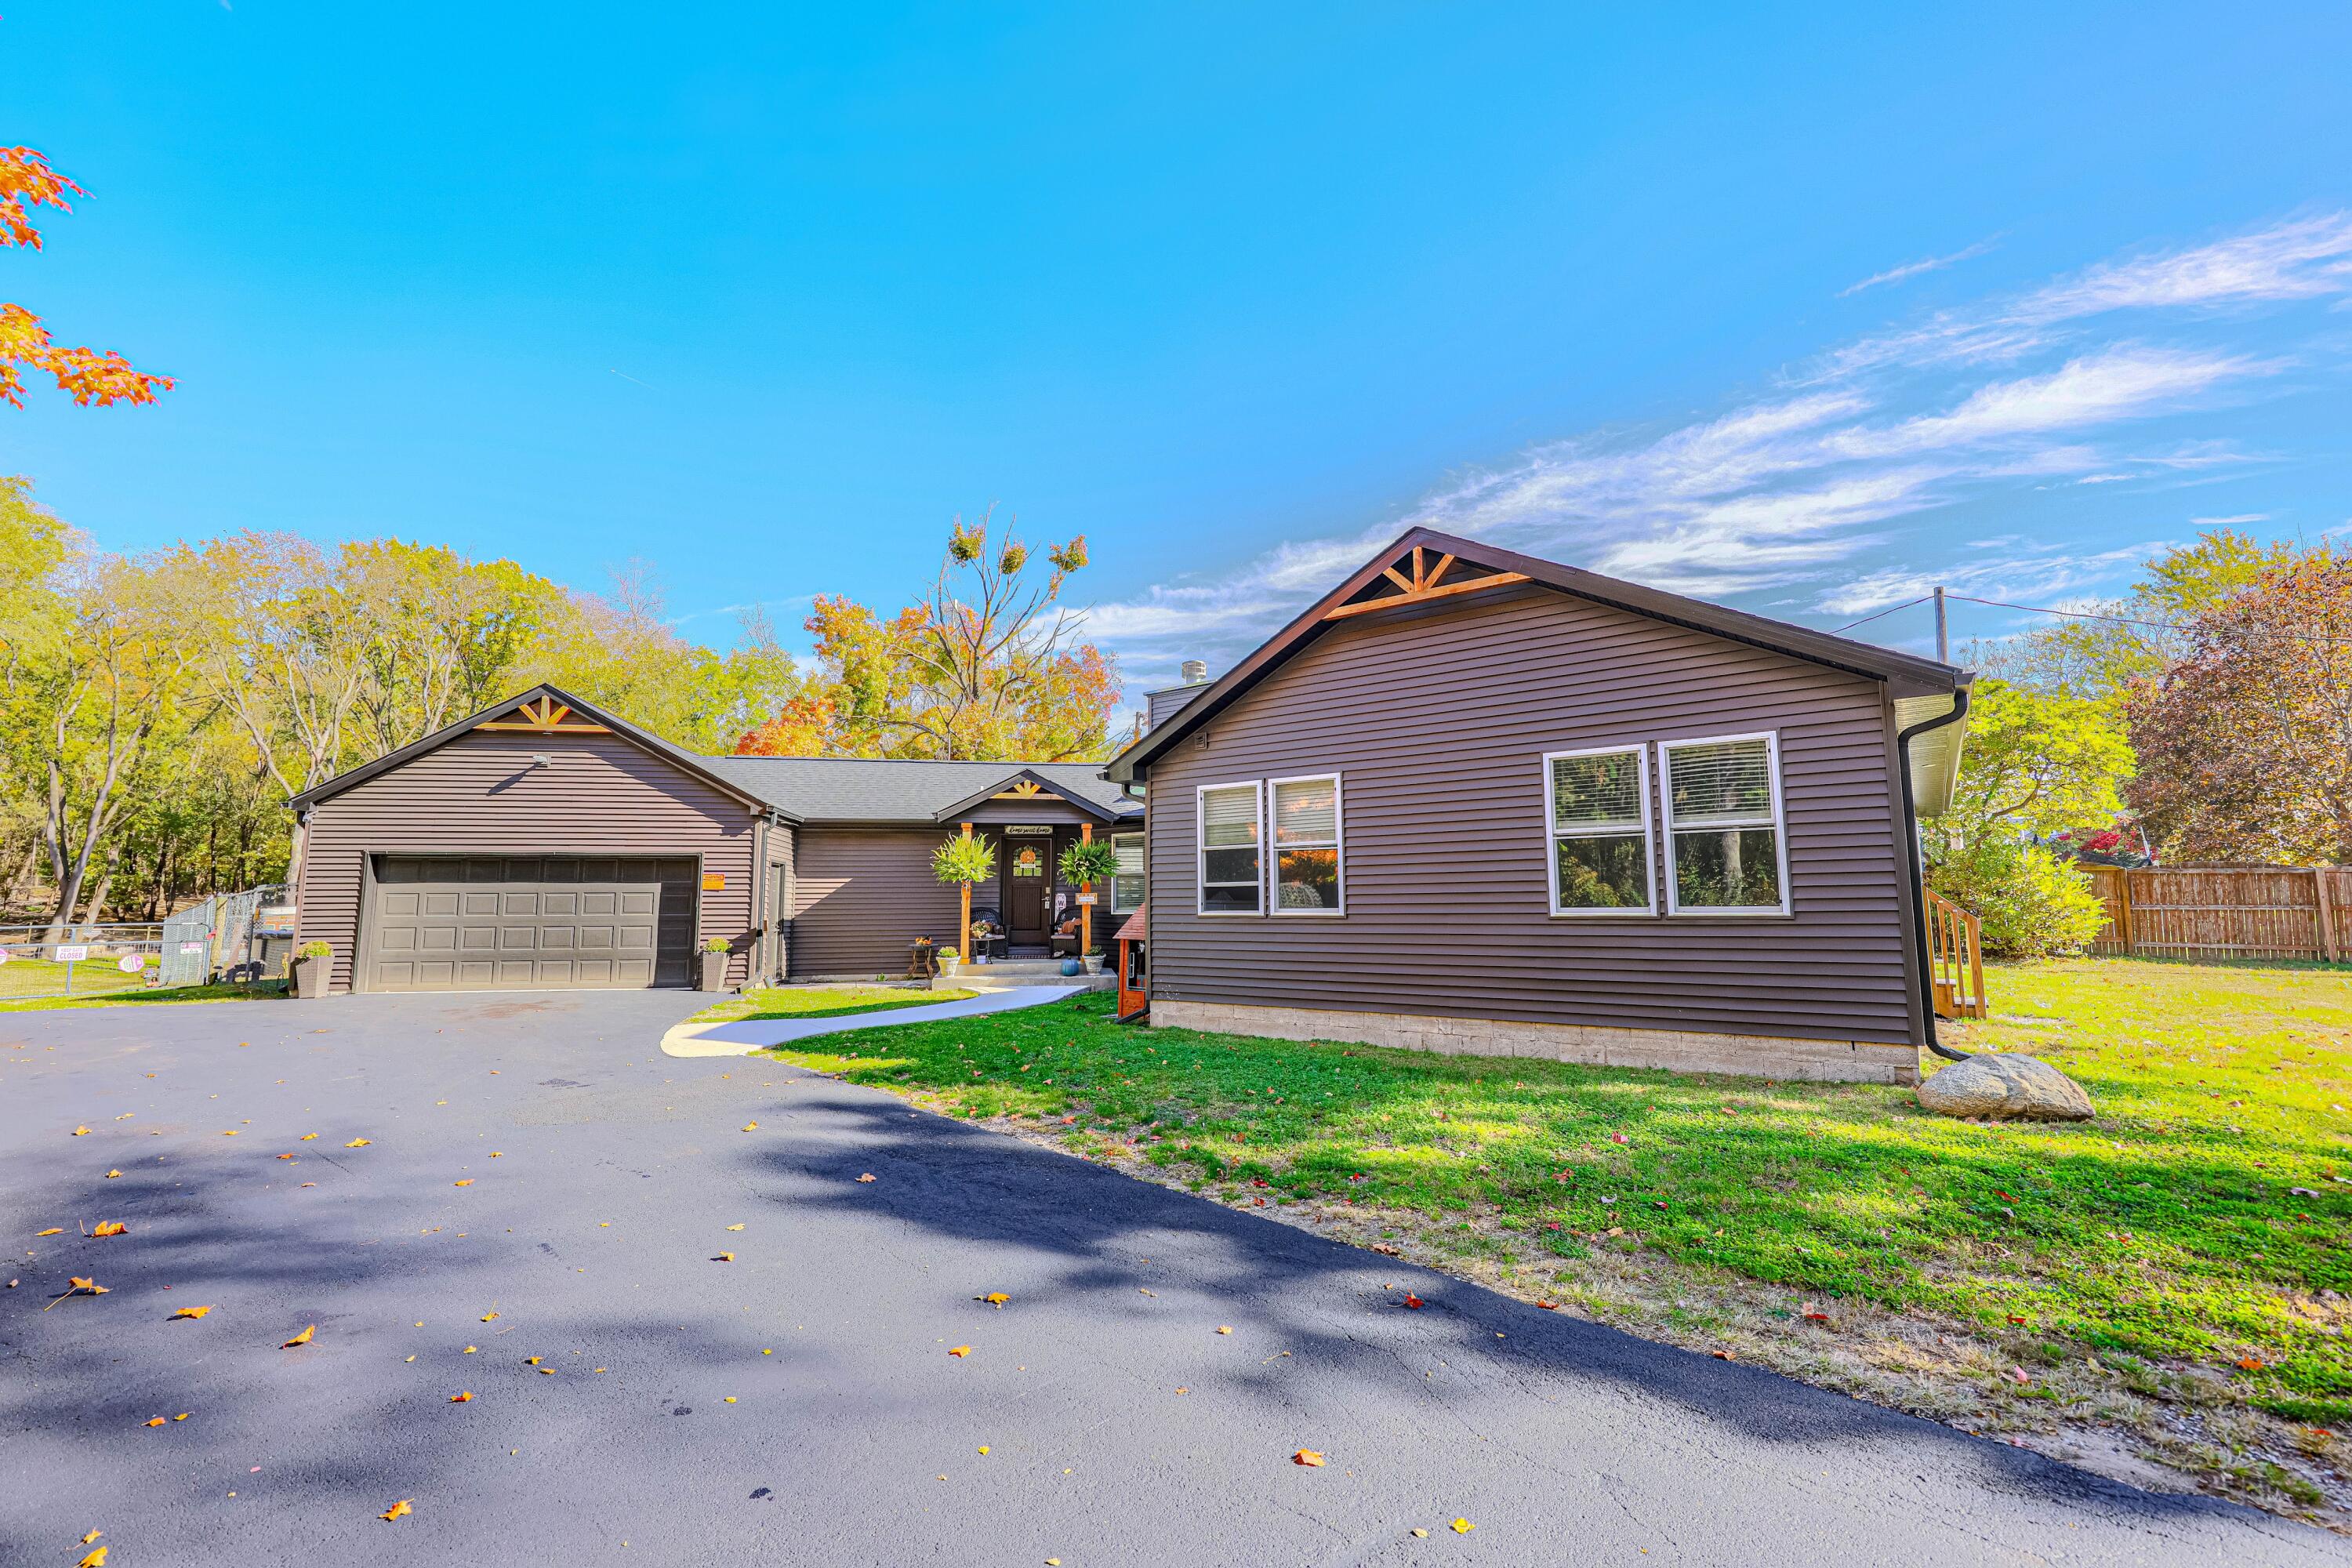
{"x": 963, "y": 929}
{"x": 1086, "y": 911}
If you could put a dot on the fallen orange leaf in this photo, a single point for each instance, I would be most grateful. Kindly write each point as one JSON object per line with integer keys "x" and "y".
{"x": 77, "y": 1133}
{"x": 397, "y": 1511}
{"x": 357, "y": 1143}
{"x": 961, "y": 1350}
{"x": 191, "y": 1312}
{"x": 286, "y": 1156}
{"x": 467, "y": 1183}
{"x": 750, "y": 1126}
{"x": 1462, "y": 1527}
{"x": 301, "y": 1338}
{"x": 461, "y": 1396}
{"x": 487, "y": 1316}
{"x": 867, "y": 1177}
{"x": 95, "y": 1559}
{"x": 156, "y": 1421}
{"x": 53, "y": 1230}
{"x": 724, "y": 1257}
{"x": 111, "y": 1174}
{"x": 183, "y": 1414}
{"x": 110, "y": 1227}
{"x": 1413, "y": 1301}
{"x": 93, "y": 1535}
{"x": 306, "y": 1136}
{"x": 996, "y": 1298}
{"x": 734, "y": 1228}
{"x": 78, "y": 1286}
{"x": 1308, "y": 1457}
{"x": 1549, "y": 1306}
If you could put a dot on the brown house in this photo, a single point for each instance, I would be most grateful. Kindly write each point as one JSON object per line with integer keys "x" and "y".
{"x": 543, "y": 843}
{"x": 1473, "y": 801}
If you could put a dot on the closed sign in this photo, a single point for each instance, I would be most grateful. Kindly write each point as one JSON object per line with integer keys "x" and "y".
{"x": 72, "y": 954}
{"x": 714, "y": 882}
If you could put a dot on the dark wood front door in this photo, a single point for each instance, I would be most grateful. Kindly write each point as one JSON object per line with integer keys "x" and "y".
{"x": 1028, "y": 885}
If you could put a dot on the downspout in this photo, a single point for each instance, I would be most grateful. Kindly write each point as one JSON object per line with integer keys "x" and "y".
{"x": 1911, "y": 858}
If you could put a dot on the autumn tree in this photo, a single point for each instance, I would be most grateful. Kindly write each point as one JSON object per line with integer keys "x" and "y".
{"x": 988, "y": 665}
{"x": 87, "y": 375}
{"x": 2032, "y": 763}
{"x": 2115, "y": 644}
{"x": 2245, "y": 744}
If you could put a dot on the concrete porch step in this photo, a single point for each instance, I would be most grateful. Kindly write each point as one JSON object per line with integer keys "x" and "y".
{"x": 1009, "y": 974}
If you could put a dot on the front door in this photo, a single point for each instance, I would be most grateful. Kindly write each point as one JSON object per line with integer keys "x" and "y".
{"x": 1027, "y": 878}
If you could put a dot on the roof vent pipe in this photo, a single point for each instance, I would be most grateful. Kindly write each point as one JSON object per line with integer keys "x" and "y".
{"x": 1195, "y": 671}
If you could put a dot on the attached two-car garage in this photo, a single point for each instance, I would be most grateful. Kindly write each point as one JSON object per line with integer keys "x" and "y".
{"x": 528, "y": 923}
{"x": 540, "y": 844}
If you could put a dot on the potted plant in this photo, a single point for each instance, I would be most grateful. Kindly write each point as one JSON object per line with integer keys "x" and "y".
{"x": 966, "y": 860}
{"x": 949, "y": 961}
{"x": 713, "y": 976}
{"x": 311, "y": 961}
{"x": 1087, "y": 863}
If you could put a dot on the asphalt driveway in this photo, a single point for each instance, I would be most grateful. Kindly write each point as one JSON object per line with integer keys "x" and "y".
{"x": 539, "y": 1181}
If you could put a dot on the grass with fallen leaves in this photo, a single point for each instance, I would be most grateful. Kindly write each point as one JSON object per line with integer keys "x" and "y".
{"x": 2157, "y": 1260}
{"x": 818, "y": 1002}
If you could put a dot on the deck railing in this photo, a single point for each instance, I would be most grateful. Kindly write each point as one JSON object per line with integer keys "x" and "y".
{"x": 1955, "y": 960}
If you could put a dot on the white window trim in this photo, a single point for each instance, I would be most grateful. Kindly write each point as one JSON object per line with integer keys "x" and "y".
{"x": 1553, "y": 833}
{"x": 1143, "y": 841}
{"x": 1200, "y": 851}
{"x": 1771, "y": 738}
{"x": 1339, "y": 844}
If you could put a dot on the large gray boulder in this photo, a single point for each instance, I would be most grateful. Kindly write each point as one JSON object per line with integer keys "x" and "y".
{"x": 2011, "y": 1088}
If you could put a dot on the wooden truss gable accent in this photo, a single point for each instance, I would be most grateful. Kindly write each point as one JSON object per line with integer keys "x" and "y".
{"x": 544, "y": 716}
{"x": 1025, "y": 789}
{"x": 1423, "y": 585}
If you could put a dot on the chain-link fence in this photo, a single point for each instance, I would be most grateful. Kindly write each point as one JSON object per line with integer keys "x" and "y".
{"x": 243, "y": 937}
{"x": 80, "y": 960}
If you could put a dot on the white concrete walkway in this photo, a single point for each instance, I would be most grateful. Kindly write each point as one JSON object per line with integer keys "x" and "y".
{"x": 749, "y": 1035}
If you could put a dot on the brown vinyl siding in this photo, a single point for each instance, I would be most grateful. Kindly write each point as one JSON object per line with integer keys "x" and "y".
{"x": 863, "y": 895}
{"x": 480, "y": 795}
{"x": 1437, "y": 718}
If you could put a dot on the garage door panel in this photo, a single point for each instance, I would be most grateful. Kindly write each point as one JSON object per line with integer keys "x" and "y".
{"x": 502, "y": 923}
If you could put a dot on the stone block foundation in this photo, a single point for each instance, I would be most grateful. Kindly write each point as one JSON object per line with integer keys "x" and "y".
{"x": 1593, "y": 1045}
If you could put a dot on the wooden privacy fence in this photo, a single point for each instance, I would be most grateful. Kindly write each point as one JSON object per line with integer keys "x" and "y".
{"x": 1955, "y": 960}
{"x": 2225, "y": 912}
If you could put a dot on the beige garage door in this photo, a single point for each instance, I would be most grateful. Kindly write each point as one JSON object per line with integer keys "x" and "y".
{"x": 529, "y": 923}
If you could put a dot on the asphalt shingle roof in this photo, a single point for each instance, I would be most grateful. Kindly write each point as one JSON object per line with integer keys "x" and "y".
{"x": 860, "y": 789}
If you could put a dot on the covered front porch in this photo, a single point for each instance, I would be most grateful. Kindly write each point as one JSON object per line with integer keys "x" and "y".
{"x": 1027, "y": 910}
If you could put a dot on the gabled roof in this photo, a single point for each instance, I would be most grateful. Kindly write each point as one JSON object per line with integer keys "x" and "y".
{"x": 554, "y": 711}
{"x": 1029, "y": 783}
{"x": 870, "y": 790}
{"x": 1906, "y": 675}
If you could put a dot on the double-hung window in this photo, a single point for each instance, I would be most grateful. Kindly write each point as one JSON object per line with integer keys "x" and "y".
{"x": 1727, "y": 852}
{"x": 1306, "y": 859}
{"x": 1599, "y": 806}
{"x": 1128, "y": 883}
{"x": 1232, "y": 878}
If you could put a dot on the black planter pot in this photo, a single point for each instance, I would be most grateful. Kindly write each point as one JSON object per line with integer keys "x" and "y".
{"x": 310, "y": 977}
{"x": 712, "y": 976}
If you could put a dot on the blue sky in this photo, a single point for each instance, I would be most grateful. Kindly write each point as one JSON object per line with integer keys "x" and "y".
{"x": 1803, "y": 309}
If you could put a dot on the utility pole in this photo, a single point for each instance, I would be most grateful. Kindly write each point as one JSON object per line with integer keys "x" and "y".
{"x": 1943, "y": 637}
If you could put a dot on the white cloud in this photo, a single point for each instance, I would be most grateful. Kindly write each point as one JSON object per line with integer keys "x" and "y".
{"x": 2231, "y": 520}
{"x": 1783, "y": 489}
{"x": 1914, "y": 269}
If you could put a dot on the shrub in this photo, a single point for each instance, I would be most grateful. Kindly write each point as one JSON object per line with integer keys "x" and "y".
{"x": 717, "y": 944}
{"x": 314, "y": 950}
{"x": 2030, "y": 905}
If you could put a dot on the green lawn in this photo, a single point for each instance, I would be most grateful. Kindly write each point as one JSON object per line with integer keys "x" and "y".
{"x": 818, "y": 1002}
{"x": 2163, "y": 1238}
{"x": 131, "y": 996}
{"x": 22, "y": 977}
